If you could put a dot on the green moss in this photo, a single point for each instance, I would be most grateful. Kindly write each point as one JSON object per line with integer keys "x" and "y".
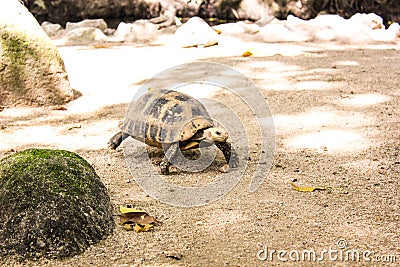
{"x": 57, "y": 170}
{"x": 19, "y": 51}
{"x": 44, "y": 194}
{"x": 16, "y": 49}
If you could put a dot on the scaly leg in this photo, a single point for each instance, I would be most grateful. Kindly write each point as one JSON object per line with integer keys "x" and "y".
{"x": 169, "y": 155}
{"x": 229, "y": 154}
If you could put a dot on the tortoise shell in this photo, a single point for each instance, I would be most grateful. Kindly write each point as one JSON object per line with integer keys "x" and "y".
{"x": 165, "y": 117}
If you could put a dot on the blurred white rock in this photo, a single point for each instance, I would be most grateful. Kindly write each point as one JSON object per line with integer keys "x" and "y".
{"x": 359, "y": 29}
{"x": 328, "y": 21}
{"x": 83, "y": 36}
{"x": 140, "y": 30}
{"x": 195, "y": 32}
{"x": 365, "y": 29}
{"x": 322, "y": 28}
{"x": 353, "y": 36}
{"x": 51, "y": 29}
{"x": 389, "y": 35}
{"x": 395, "y": 29}
{"x": 366, "y": 21}
{"x": 122, "y": 31}
{"x": 277, "y": 32}
{"x": 327, "y": 27}
{"x": 87, "y": 23}
{"x": 237, "y": 28}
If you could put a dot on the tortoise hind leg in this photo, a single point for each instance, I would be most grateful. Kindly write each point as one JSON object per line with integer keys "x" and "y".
{"x": 230, "y": 155}
{"x": 117, "y": 139}
{"x": 169, "y": 155}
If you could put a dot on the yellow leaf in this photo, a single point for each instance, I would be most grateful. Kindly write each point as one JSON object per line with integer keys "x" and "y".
{"x": 100, "y": 45}
{"x": 247, "y": 53}
{"x": 250, "y": 52}
{"x": 125, "y": 210}
{"x": 217, "y": 31}
{"x": 130, "y": 215}
{"x": 308, "y": 189}
{"x": 142, "y": 227}
{"x": 129, "y": 226}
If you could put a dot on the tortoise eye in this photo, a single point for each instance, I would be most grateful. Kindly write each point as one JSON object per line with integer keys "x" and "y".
{"x": 218, "y": 132}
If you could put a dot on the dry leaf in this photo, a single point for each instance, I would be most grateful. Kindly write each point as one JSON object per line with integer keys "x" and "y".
{"x": 247, "y": 53}
{"x": 137, "y": 217}
{"x": 60, "y": 108}
{"x": 124, "y": 210}
{"x": 129, "y": 227}
{"x": 100, "y": 45}
{"x": 137, "y": 220}
{"x": 308, "y": 189}
{"x": 142, "y": 227}
{"x": 173, "y": 255}
{"x": 250, "y": 52}
{"x": 217, "y": 31}
{"x": 75, "y": 127}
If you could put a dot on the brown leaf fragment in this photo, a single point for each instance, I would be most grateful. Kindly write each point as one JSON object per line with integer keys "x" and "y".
{"x": 75, "y": 127}
{"x": 60, "y": 108}
{"x": 129, "y": 226}
{"x": 142, "y": 227}
{"x": 137, "y": 220}
{"x": 100, "y": 45}
{"x": 136, "y": 217}
{"x": 173, "y": 255}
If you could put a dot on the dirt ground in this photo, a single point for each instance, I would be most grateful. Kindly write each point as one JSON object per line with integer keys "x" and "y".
{"x": 336, "y": 115}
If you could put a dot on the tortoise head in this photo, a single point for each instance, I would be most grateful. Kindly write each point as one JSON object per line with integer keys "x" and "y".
{"x": 216, "y": 134}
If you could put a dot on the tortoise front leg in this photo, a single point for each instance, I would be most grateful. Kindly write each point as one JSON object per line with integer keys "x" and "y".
{"x": 229, "y": 154}
{"x": 169, "y": 155}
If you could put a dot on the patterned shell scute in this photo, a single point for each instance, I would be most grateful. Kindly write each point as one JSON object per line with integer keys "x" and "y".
{"x": 165, "y": 116}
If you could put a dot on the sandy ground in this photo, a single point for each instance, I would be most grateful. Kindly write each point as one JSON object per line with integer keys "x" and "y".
{"x": 336, "y": 115}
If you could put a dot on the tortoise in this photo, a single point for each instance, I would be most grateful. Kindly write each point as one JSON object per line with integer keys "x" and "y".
{"x": 173, "y": 120}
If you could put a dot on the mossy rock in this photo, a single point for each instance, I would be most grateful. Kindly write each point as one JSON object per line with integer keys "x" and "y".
{"x": 52, "y": 204}
{"x": 32, "y": 72}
